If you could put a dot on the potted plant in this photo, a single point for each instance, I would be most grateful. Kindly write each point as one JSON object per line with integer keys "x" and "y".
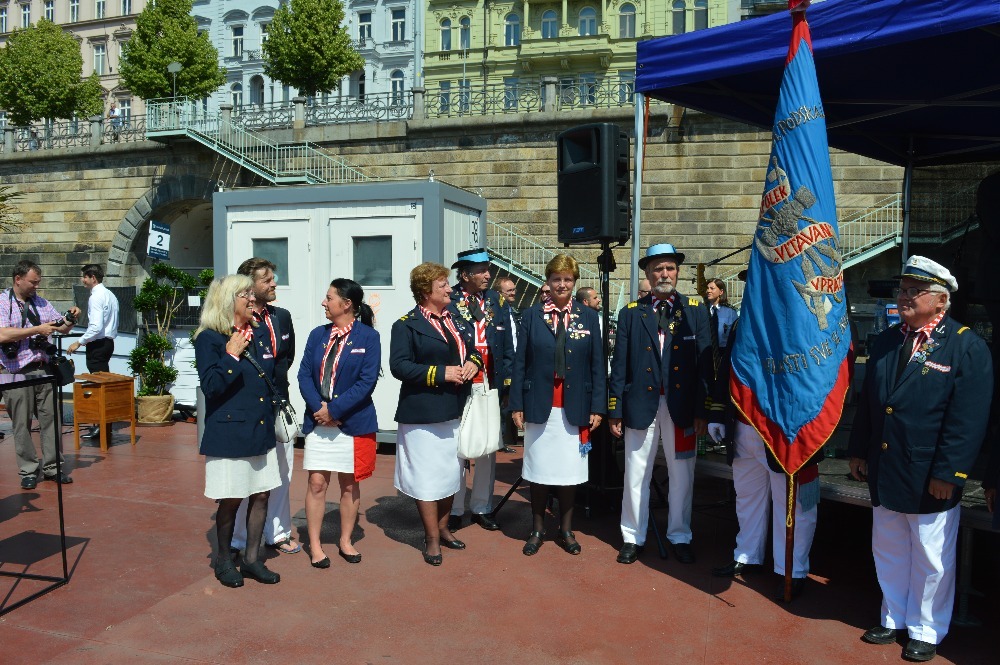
{"x": 158, "y": 300}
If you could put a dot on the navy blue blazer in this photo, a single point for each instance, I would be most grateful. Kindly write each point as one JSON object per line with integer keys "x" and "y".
{"x": 639, "y": 372}
{"x": 585, "y": 385}
{"x": 239, "y": 408}
{"x": 284, "y": 334}
{"x": 929, "y": 424}
{"x": 498, "y": 332}
{"x": 357, "y": 374}
{"x": 418, "y": 356}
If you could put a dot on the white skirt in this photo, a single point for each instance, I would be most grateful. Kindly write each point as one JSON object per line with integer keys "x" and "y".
{"x": 329, "y": 449}
{"x": 238, "y": 478}
{"x": 552, "y": 452}
{"x": 427, "y": 464}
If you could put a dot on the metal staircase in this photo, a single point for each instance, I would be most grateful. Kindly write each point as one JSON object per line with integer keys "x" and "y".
{"x": 279, "y": 163}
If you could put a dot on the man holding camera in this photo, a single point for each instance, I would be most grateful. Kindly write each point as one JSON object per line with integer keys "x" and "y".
{"x": 26, "y": 322}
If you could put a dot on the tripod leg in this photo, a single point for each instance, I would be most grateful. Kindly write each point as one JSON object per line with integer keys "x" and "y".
{"x": 513, "y": 488}
{"x": 661, "y": 546}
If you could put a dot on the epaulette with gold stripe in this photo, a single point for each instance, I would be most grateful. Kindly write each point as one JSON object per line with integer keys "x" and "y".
{"x": 477, "y": 361}
{"x": 404, "y": 317}
{"x": 959, "y": 474}
{"x": 962, "y": 330}
{"x": 693, "y": 302}
{"x": 612, "y": 403}
{"x": 634, "y": 303}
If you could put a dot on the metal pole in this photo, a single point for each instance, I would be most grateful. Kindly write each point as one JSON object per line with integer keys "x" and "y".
{"x": 640, "y": 133}
{"x": 907, "y": 194}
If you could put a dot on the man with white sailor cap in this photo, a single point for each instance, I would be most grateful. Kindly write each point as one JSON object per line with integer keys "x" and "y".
{"x": 920, "y": 422}
{"x": 657, "y": 396}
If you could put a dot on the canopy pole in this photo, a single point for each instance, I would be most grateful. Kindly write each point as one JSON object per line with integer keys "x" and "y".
{"x": 640, "y": 145}
{"x": 907, "y": 194}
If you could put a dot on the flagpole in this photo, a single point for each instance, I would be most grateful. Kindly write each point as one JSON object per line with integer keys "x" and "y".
{"x": 789, "y": 534}
{"x": 640, "y": 136}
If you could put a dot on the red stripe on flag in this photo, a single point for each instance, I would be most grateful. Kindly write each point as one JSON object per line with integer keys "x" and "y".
{"x": 800, "y": 28}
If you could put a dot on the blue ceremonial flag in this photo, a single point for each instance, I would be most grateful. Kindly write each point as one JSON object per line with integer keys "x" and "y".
{"x": 792, "y": 356}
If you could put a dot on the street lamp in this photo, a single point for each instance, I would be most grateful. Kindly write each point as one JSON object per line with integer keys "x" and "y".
{"x": 173, "y": 68}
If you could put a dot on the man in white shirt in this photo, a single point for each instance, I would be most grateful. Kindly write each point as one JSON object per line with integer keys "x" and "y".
{"x": 102, "y": 327}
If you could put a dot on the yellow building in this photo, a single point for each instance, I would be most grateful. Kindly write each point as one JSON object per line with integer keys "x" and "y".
{"x": 479, "y": 53}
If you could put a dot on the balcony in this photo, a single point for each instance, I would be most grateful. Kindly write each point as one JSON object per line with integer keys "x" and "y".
{"x": 567, "y": 53}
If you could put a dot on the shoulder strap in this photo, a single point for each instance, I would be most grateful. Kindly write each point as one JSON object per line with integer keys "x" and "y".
{"x": 276, "y": 395}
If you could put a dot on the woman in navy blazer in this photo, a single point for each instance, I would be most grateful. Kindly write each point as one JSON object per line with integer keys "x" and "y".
{"x": 435, "y": 357}
{"x": 558, "y": 396}
{"x": 337, "y": 377}
{"x": 238, "y": 441}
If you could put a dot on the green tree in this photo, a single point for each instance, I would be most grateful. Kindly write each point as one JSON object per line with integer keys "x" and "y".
{"x": 307, "y": 48}
{"x": 41, "y": 76}
{"x": 166, "y": 32}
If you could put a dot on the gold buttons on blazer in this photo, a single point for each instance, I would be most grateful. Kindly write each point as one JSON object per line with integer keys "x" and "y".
{"x": 649, "y": 369}
{"x": 650, "y": 388}
{"x": 261, "y": 399}
{"x": 677, "y": 369}
{"x": 888, "y": 410}
{"x": 676, "y": 347}
{"x": 649, "y": 348}
{"x": 230, "y": 371}
{"x": 885, "y": 446}
{"x": 262, "y": 422}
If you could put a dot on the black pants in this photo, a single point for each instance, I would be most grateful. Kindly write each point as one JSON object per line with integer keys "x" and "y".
{"x": 99, "y": 353}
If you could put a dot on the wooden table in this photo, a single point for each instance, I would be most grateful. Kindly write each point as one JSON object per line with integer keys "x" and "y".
{"x": 103, "y": 398}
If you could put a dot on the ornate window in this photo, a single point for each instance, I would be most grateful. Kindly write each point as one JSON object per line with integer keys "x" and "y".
{"x": 550, "y": 25}
{"x": 50, "y": 10}
{"x": 679, "y": 17}
{"x": 74, "y": 11}
{"x": 126, "y": 8}
{"x": 700, "y": 14}
{"x": 3, "y": 19}
{"x": 26, "y": 15}
{"x": 588, "y": 21}
{"x": 626, "y": 21}
{"x": 446, "y": 34}
{"x": 512, "y": 30}
{"x": 100, "y": 8}
{"x": 364, "y": 26}
{"x": 237, "y": 41}
{"x": 237, "y": 92}
{"x": 100, "y": 59}
{"x": 464, "y": 33}
{"x": 398, "y": 25}
{"x": 396, "y": 81}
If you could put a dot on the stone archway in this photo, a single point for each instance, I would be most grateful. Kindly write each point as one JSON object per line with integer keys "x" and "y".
{"x": 168, "y": 194}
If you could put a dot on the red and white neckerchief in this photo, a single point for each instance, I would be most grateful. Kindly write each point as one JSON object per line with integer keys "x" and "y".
{"x": 553, "y": 312}
{"x": 247, "y": 332}
{"x": 482, "y": 345}
{"x": 265, "y": 316}
{"x": 335, "y": 333}
{"x": 657, "y": 305}
{"x": 442, "y": 321}
{"x": 922, "y": 334}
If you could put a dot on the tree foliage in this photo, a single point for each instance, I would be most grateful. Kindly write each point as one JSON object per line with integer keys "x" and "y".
{"x": 41, "y": 76}
{"x": 308, "y": 48}
{"x": 166, "y": 32}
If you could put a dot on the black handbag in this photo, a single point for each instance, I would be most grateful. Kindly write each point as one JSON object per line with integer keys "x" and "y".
{"x": 62, "y": 367}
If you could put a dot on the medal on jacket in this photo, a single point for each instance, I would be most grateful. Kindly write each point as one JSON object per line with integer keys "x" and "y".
{"x": 676, "y": 321}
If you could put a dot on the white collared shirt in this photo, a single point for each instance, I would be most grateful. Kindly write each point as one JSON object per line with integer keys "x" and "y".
{"x": 102, "y": 315}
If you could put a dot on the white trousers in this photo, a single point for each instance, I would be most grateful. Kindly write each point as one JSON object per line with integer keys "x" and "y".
{"x": 640, "y": 451}
{"x": 757, "y": 488}
{"x": 278, "y": 526}
{"x": 915, "y": 564}
{"x": 483, "y": 480}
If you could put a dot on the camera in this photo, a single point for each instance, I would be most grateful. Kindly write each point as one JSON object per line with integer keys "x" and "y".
{"x": 10, "y": 349}
{"x": 40, "y": 343}
{"x": 67, "y": 317}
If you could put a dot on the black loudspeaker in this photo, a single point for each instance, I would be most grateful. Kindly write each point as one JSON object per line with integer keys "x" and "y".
{"x": 593, "y": 184}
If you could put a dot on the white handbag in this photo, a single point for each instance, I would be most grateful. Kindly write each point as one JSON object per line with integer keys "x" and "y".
{"x": 479, "y": 432}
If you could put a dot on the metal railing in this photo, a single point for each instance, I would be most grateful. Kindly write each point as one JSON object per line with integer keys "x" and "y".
{"x": 942, "y": 215}
{"x": 53, "y": 134}
{"x": 604, "y": 94}
{"x": 488, "y": 99}
{"x": 273, "y": 115}
{"x": 369, "y": 108}
{"x": 131, "y": 130}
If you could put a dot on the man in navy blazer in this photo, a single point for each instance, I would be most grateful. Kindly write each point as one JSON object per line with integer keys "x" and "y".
{"x": 657, "y": 395}
{"x": 482, "y": 309}
{"x": 276, "y": 323}
{"x": 918, "y": 428}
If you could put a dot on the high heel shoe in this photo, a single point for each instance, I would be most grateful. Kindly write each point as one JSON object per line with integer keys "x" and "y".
{"x": 455, "y": 544}
{"x": 562, "y": 540}
{"x": 432, "y": 559}
{"x": 531, "y": 548}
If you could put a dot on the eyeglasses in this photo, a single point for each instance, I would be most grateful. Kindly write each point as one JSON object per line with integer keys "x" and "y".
{"x": 248, "y": 295}
{"x": 909, "y": 293}
{"x": 642, "y": 293}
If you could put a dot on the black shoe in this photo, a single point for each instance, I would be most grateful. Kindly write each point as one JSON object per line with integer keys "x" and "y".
{"x": 322, "y": 563}
{"x": 919, "y": 651}
{"x": 431, "y": 559}
{"x": 29, "y": 482}
{"x": 563, "y": 541}
{"x": 486, "y": 522}
{"x": 531, "y": 548}
{"x": 733, "y": 569}
{"x": 879, "y": 635}
{"x": 227, "y": 574}
{"x": 798, "y": 585}
{"x": 93, "y": 433}
{"x": 683, "y": 552}
{"x": 508, "y": 450}
{"x": 349, "y": 558}
{"x": 629, "y": 553}
{"x": 62, "y": 479}
{"x": 258, "y": 571}
{"x": 454, "y": 523}
{"x": 453, "y": 544}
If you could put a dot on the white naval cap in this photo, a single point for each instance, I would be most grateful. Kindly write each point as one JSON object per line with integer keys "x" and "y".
{"x": 925, "y": 270}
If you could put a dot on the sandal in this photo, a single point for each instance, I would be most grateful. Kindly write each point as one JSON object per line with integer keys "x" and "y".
{"x": 286, "y": 546}
{"x": 531, "y": 548}
{"x": 564, "y": 541}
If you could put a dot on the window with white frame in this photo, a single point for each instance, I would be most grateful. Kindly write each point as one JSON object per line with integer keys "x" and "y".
{"x": 50, "y": 10}
{"x": 678, "y": 17}
{"x": 446, "y": 34}
{"x": 26, "y": 15}
{"x": 237, "y": 92}
{"x": 100, "y": 8}
{"x": 396, "y": 81}
{"x": 237, "y": 41}
{"x": 626, "y": 21}
{"x": 588, "y": 21}
{"x": 364, "y": 27}
{"x": 444, "y": 97}
{"x": 700, "y": 14}
{"x": 126, "y": 9}
{"x": 125, "y": 109}
{"x": 550, "y": 25}
{"x": 100, "y": 59}
{"x": 626, "y": 86}
{"x": 264, "y": 28}
{"x": 512, "y": 30}
{"x": 3, "y": 19}
{"x": 464, "y": 33}
{"x": 510, "y": 93}
{"x": 74, "y": 11}
{"x": 398, "y": 25}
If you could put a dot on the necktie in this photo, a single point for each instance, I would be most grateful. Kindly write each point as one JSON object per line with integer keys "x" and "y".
{"x": 715, "y": 326}
{"x": 475, "y": 309}
{"x": 904, "y": 354}
{"x": 663, "y": 318}
{"x": 331, "y": 359}
{"x": 560, "y": 358}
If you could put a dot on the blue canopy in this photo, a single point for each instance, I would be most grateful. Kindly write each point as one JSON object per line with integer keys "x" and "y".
{"x": 892, "y": 74}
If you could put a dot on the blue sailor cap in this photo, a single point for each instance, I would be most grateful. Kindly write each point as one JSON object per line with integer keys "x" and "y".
{"x": 471, "y": 256}
{"x": 663, "y": 249}
{"x": 923, "y": 269}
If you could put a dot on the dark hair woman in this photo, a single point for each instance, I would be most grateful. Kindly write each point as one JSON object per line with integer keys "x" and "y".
{"x": 337, "y": 377}
{"x": 435, "y": 357}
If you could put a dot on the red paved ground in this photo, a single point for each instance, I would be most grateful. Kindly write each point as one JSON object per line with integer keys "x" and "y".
{"x": 142, "y": 588}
